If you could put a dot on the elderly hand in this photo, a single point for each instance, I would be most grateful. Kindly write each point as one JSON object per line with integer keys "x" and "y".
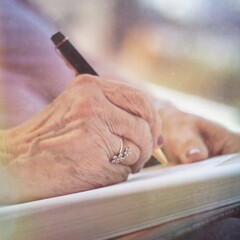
{"x": 67, "y": 147}
{"x": 189, "y": 138}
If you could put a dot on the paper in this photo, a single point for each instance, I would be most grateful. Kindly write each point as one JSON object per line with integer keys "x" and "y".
{"x": 147, "y": 199}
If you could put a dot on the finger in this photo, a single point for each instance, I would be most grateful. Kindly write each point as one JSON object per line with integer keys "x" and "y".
{"x": 192, "y": 149}
{"x": 135, "y": 102}
{"x": 186, "y": 145}
{"x": 125, "y": 97}
{"x": 119, "y": 121}
{"x": 134, "y": 153}
{"x": 218, "y": 139}
{"x": 119, "y": 146}
{"x": 119, "y": 171}
{"x": 134, "y": 129}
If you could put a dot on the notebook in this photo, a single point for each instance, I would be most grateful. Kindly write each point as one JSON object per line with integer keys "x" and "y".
{"x": 151, "y": 197}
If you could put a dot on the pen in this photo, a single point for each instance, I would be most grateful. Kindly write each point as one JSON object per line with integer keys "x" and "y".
{"x": 80, "y": 66}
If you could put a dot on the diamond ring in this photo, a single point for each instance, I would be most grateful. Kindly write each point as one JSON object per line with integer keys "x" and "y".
{"x": 123, "y": 153}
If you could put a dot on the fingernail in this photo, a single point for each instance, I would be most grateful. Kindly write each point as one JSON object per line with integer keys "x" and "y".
{"x": 160, "y": 140}
{"x": 193, "y": 151}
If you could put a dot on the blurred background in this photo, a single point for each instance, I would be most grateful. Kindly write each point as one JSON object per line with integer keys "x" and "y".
{"x": 190, "y": 46}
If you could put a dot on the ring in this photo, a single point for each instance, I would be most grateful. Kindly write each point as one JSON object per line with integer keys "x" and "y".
{"x": 118, "y": 158}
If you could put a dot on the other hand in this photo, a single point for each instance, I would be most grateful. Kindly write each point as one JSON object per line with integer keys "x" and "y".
{"x": 188, "y": 138}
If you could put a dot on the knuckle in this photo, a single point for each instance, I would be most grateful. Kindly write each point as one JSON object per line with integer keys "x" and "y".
{"x": 91, "y": 102}
{"x": 141, "y": 99}
{"x": 86, "y": 79}
{"x": 135, "y": 152}
{"x": 145, "y": 101}
{"x": 93, "y": 107}
{"x": 143, "y": 129}
{"x": 123, "y": 173}
{"x": 114, "y": 175}
{"x": 84, "y": 83}
{"x": 147, "y": 157}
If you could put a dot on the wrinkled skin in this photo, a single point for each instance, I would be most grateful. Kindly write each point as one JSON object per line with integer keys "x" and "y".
{"x": 66, "y": 147}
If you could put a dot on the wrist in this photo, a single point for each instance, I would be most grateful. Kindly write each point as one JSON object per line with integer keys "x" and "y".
{"x": 9, "y": 191}
{"x": 13, "y": 143}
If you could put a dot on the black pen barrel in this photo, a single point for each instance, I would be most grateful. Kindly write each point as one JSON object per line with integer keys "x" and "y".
{"x": 70, "y": 53}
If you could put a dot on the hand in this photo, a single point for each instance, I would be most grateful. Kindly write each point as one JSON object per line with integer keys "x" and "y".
{"x": 189, "y": 138}
{"x": 66, "y": 148}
